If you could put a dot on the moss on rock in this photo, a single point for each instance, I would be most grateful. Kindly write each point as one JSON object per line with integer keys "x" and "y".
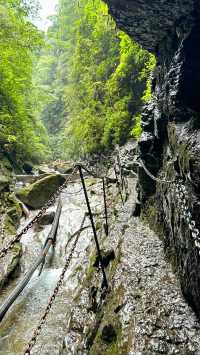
{"x": 110, "y": 320}
{"x": 10, "y": 264}
{"x": 37, "y": 194}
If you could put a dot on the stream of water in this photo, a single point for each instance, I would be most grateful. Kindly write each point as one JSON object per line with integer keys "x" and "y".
{"x": 17, "y": 327}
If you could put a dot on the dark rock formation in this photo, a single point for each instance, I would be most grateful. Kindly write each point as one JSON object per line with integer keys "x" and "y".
{"x": 170, "y": 144}
{"x": 107, "y": 257}
{"x": 28, "y": 168}
{"x": 108, "y": 334}
{"x": 47, "y": 218}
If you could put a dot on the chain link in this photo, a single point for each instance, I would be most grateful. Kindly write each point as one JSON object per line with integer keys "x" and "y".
{"x": 38, "y": 330}
{"x": 2, "y": 227}
{"x": 182, "y": 197}
{"x": 49, "y": 203}
{"x": 162, "y": 181}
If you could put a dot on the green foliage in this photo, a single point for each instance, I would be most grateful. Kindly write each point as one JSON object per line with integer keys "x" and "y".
{"x": 137, "y": 130}
{"x": 21, "y": 135}
{"x": 88, "y": 85}
{"x": 94, "y": 80}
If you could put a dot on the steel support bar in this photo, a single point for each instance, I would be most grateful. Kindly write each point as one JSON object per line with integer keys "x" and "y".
{"x": 105, "y": 282}
{"x": 20, "y": 287}
{"x": 120, "y": 171}
{"x": 118, "y": 184}
{"x": 105, "y": 206}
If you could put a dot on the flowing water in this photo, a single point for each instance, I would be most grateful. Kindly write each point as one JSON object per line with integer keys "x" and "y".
{"x": 18, "y": 325}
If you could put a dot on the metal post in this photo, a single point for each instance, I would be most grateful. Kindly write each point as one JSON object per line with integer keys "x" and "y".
{"x": 120, "y": 171}
{"x": 105, "y": 206}
{"x": 118, "y": 184}
{"x": 105, "y": 283}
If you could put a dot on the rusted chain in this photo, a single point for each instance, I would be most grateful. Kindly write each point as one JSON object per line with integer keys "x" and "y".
{"x": 55, "y": 292}
{"x": 162, "y": 181}
{"x": 49, "y": 203}
{"x": 1, "y": 226}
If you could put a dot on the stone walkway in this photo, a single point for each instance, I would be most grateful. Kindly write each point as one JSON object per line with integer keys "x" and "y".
{"x": 145, "y": 312}
{"x": 162, "y": 321}
{"x": 154, "y": 317}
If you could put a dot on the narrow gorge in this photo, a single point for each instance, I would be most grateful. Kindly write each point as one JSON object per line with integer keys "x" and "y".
{"x": 99, "y": 116}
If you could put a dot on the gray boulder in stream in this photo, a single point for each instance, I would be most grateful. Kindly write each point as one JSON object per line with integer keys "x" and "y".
{"x": 37, "y": 194}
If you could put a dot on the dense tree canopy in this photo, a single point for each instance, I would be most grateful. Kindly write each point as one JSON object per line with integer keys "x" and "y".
{"x": 95, "y": 77}
{"x": 84, "y": 80}
{"x": 22, "y": 136}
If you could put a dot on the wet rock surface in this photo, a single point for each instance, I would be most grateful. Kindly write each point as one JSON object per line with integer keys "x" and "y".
{"x": 160, "y": 318}
{"x": 149, "y": 22}
{"x": 10, "y": 214}
{"x": 9, "y": 265}
{"x": 128, "y": 158}
{"x": 144, "y": 311}
{"x": 18, "y": 325}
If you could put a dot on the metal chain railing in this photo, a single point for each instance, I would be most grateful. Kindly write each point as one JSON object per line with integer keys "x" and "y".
{"x": 182, "y": 197}
{"x": 49, "y": 203}
{"x": 2, "y": 227}
{"x": 162, "y": 181}
{"x": 60, "y": 281}
{"x": 55, "y": 292}
{"x": 181, "y": 194}
{"x": 77, "y": 235}
{"x": 90, "y": 172}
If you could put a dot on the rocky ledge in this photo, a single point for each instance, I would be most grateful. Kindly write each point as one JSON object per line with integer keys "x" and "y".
{"x": 144, "y": 311}
{"x": 10, "y": 214}
{"x": 170, "y": 144}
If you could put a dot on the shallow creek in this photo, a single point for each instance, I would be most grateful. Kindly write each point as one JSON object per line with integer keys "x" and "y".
{"x": 17, "y": 327}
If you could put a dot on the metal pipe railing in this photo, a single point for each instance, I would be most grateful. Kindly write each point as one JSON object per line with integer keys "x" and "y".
{"x": 40, "y": 260}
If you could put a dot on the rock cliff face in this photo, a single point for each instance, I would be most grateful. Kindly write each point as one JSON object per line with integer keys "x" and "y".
{"x": 170, "y": 144}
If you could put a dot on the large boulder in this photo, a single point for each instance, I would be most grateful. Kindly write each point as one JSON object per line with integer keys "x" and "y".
{"x": 47, "y": 218}
{"x": 37, "y": 194}
{"x": 28, "y": 168}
